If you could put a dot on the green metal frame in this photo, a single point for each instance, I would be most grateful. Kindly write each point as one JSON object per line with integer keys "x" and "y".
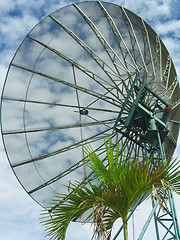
{"x": 153, "y": 133}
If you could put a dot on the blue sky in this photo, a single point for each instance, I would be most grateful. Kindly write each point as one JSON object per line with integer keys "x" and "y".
{"x": 19, "y": 213}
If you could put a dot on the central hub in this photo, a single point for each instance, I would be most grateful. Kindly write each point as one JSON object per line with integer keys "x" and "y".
{"x": 141, "y": 121}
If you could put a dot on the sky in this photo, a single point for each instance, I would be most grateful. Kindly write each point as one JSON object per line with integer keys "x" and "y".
{"x": 19, "y": 213}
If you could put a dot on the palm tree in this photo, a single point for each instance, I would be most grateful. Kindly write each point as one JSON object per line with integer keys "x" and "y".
{"x": 117, "y": 188}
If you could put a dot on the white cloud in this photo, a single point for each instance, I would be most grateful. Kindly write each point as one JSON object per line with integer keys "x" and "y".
{"x": 148, "y": 10}
{"x": 171, "y": 27}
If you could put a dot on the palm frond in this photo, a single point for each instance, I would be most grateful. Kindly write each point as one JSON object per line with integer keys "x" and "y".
{"x": 118, "y": 187}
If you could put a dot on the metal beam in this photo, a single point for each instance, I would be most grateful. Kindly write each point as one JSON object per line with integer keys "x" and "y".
{"x": 147, "y": 49}
{"x": 44, "y": 129}
{"x": 66, "y": 83}
{"x": 4, "y": 98}
{"x": 121, "y": 43}
{"x": 134, "y": 41}
{"x": 109, "y": 50}
{"x": 148, "y": 220}
{"x": 88, "y": 140}
{"x": 103, "y": 83}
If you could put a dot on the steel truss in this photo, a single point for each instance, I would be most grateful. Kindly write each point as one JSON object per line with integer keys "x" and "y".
{"x": 165, "y": 217}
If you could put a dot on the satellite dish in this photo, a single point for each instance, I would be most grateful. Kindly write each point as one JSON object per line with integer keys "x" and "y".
{"x": 75, "y": 80}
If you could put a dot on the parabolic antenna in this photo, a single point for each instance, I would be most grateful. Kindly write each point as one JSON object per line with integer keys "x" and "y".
{"x": 85, "y": 72}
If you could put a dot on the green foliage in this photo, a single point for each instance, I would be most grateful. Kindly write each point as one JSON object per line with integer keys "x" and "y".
{"x": 117, "y": 187}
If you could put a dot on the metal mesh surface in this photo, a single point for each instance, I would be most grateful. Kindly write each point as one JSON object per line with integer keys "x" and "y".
{"x": 66, "y": 86}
